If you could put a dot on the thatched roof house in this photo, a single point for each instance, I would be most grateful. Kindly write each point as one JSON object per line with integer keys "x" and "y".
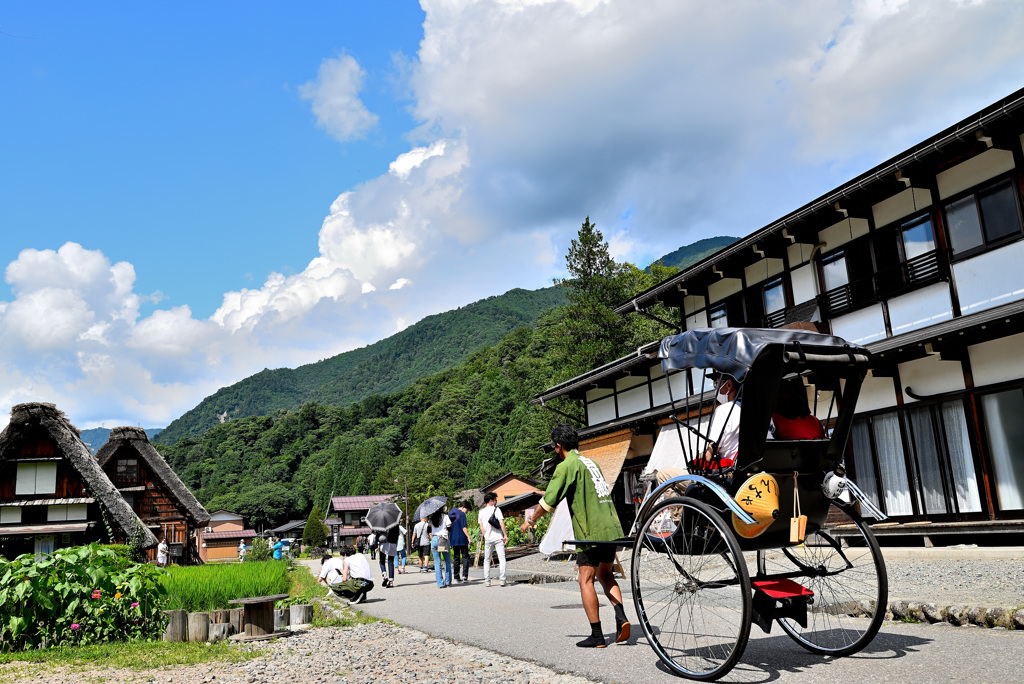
{"x": 52, "y": 490}
{"x": 132, "y": 442}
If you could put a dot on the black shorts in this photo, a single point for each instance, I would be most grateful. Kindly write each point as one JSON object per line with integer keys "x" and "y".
{"x": 424, "y": 550}
{"x": 595, "y": 555}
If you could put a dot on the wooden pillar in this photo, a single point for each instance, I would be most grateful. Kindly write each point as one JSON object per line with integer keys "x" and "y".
{"x": 198, "y": 626}
{"x": 259, "y": 618}
{"x": 302, "y": 614}
{"x": 177, "y": 628}
{"x": 236, "y": 620}
{"x": 220, "y": 617}
{"x": 281, "y": 616}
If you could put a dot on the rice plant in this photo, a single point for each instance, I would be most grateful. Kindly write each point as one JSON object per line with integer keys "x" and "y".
{"x": 210, "y": 587}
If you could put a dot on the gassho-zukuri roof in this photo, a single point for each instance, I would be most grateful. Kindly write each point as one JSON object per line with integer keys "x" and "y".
{"x": 136, "y": 440}
{"x": 25, "y": 417}
{"x": 359, "y": 503}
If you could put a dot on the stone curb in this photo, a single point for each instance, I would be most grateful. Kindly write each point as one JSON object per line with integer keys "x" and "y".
{"x": 959, "y": 615}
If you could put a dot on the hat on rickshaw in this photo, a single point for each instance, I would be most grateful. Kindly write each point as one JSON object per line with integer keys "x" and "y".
{"x": 758, "y": 496}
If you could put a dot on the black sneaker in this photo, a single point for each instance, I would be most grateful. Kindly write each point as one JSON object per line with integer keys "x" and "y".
{"x": 592, "y": 642}
{"x": 360, "y": 598}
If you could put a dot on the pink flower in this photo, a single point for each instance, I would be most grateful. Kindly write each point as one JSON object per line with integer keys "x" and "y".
{"x": 135, "y": 605}
{"x": 75, "y": 626}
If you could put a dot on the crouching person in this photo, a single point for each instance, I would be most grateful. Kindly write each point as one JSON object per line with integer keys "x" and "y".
{"x": 348, "y": 576}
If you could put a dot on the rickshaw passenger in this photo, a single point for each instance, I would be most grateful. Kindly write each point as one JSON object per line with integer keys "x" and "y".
{"x": 725, "y": 425}
{"x": 792, "y": 418}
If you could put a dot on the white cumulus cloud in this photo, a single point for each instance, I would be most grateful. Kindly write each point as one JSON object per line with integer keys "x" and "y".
{"x": 335, "y": 98}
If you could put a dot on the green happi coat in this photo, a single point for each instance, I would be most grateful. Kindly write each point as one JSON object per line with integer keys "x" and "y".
{"x": 580, "y": 480}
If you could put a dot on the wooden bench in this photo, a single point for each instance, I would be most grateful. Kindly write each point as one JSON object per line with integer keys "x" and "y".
{"x": 258, "y": 618}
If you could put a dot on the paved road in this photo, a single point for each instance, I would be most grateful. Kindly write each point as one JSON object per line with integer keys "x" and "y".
{"x": 541, "y": 623}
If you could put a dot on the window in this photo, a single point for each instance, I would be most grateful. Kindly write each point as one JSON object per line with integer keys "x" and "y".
{"x": 718, "y": 317}
{"x": 917, "y": 238}
{"x": 10, "y": 515}
{"x": 127, "y": 472}
{"x": 983, "y": 218}
{"x": 834, "y": 270}
{"x": 36, "y": 478}
{"x": 63, "y": 512}
{"x": 774, "y": 295}
{"x": 946, "y": 480}
{"x": 1005, "y": 432}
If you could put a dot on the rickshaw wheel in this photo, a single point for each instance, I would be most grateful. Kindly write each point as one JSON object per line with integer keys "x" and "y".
{"x": 691, "y": 589}
{"x": 850, "y": 585}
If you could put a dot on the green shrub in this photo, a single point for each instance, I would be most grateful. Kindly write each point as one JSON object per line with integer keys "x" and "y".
{"x": 210, "y": 587}
{"x": 78, "y": 596}
{"x": 315, "y": 533}
{"x": 136, "y": 550}
{"x": 260, "y": 552}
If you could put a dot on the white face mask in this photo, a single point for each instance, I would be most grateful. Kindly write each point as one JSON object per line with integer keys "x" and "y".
{"x": 722, "y": 397}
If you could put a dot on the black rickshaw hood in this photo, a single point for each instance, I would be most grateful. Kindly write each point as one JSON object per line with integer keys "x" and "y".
{"x": 733, "y": 351}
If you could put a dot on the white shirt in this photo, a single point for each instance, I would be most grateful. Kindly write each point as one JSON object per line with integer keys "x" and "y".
{"x": 332, "y": 570}
{"x": 491, "y": 533}
{"x": 372, "y": 539}
{"x": 358, "y": 567}
{"x": 442, "y": 529}
{"x": 725, "y": 429}
{"x": 421, "y": 532}
{"x": 161, "y": 552}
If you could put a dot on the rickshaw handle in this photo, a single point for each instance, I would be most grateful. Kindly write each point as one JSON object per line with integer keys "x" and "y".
{"x": 698, "y": 479}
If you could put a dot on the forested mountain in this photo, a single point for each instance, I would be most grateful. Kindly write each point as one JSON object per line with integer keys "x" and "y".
{"x": 443, "y": 432}
{"x": 690, "y": 254}
{"x": 432, "y": 345}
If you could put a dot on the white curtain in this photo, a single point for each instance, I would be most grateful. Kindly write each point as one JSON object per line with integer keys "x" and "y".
{"x": 891, "y": 464}
{"x": 559, "y": 530}
{"x": 961, "y": 465}
{"x": 926, "y": 449}
{"x": 1005, "y": 427}
{"x": 862, "y": 462}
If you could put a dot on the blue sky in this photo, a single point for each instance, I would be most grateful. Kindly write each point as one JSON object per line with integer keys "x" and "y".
{"x": 193, "y": 192}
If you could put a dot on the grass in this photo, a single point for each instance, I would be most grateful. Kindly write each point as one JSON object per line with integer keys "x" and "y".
{"x": 123, "y": 655}
{"x": 306, "y": 589}
{"x": 210, "y": 587}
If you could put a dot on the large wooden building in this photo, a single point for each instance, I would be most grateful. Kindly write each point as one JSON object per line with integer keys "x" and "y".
{"x": 918, "y": 259}
{"x": 53, "y": 494}
{"x": 154, "y": 492}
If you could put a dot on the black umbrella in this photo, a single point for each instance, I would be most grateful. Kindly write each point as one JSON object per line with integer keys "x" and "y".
{"x": 430, "y": 506}
{"x": 383, "y": 516}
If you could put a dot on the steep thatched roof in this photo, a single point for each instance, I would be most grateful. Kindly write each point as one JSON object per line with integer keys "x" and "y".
{"x": 134, "y": 440}
{"x": 26, "y": 418}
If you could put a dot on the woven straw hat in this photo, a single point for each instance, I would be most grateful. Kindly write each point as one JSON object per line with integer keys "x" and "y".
{"x": 758, "y": 496}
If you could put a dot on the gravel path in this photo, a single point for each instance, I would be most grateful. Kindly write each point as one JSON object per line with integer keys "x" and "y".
{"x": 940, "y": 576}
{"x": 361, "y": 654}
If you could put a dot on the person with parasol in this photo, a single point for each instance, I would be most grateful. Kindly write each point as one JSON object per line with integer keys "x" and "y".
{"x": 383, "y": 521}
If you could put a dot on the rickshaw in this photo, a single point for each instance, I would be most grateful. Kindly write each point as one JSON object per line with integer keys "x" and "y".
{"x": 696, "y": 533}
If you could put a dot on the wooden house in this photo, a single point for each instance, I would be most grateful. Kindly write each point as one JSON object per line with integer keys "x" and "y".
{"x": 156, "y": 494}
{"x": 917, "y": 259}
{"x": 53, "y": 494}
{"x": 219, "y": 539}
{"x": 509, "y": 485}
{"x": 349, "y": 519}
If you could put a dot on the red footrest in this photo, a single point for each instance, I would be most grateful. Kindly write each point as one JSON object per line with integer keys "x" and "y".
{"x": 782, "y": 588}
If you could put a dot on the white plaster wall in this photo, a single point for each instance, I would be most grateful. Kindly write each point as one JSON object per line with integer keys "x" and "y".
{"x": 990, "y": 279}
{"x": 901, "y": 205}
{"x": 979, "y": 169}
{"x": 634, "y": 401}
{"x": 598, "y": 393}
{"x": 601, "y": 411}
{"x": 799, "y": 253}
{"x": 659, "y": 389}
{"x": 723, "y": 288}
{"x": 876, "y": 393}
{"x": 762, "y": 270}
{"x": 843, "y": 232}
{"x": 998, "y": 360}
{"x": 931, "y": 375}
{"x": 861, "y": 327}
{"x": 804, "y": 287}
{"x": 697, "y": 320}
{"x": 630, "y": 381}
{"x": 693, "y": 303}
{"x": 921, "y": 308}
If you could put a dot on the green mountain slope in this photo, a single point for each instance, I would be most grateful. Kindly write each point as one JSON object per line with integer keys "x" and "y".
{"x": 432, "y": 345}
{"x": 688, "y": 255}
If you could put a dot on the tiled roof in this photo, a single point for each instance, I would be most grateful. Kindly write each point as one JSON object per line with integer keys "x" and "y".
{"x": 44, "y": 529}
{"x": 359, "y": 503}
{"x": 230, "y": 534}
{"x": 353, "y": 531}
{"x": 289, "y": 526}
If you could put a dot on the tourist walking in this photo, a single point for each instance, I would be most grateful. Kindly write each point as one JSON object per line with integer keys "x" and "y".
{"x": 440, "y": 547}
{"x": 163, "y": 552}
{"x": 460, "y": 541}
{"x": 579, "y": 480}
{"x": 388, "y": 546}
{"x": 494, "y": 536}
{"x": 421, "y": 534}
{"x": 241, "y": 551}
{"x": 372, "y": 543}
{"x": 403, "y": 553}
{"x": 348, "y": 576}
{"x": 360, "y": 543}
{"x": 278, "y": 548}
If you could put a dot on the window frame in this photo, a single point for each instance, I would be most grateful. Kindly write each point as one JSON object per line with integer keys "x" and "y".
{"x": 718, "y": 307}
{"x": 986, "y": 245}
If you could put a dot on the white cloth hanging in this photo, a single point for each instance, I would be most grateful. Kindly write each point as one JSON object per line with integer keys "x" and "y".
{"x": 559, "y": 530}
